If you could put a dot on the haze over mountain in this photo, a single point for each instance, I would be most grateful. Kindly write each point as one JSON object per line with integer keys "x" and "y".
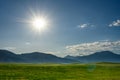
{"x": 38, "y": 57}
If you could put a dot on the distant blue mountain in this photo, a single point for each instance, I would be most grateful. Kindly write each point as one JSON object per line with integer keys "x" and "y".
{"x": 38, "y": 57}
{"x": 104, "y": 56}
{"x": 35, "y": 57}
{"x": 7, "y": 56}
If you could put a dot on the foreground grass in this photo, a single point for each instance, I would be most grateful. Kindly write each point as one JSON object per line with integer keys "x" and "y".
{"x": 102, "y": 71}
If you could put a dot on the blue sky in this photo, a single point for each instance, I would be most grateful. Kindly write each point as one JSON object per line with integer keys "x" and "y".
{"x": 72, "y": 23}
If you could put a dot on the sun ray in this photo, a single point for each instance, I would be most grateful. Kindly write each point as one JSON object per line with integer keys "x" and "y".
{"x": 37, "y": 20}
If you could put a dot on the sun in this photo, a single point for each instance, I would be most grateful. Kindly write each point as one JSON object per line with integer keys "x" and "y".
{"x": 39, "y": 23}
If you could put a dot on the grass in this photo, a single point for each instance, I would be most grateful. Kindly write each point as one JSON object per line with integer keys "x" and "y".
{"x": 101, "y": 71}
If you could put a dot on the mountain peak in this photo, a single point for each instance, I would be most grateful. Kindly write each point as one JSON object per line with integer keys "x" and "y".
{"x": 104, "y": 53}
{"x": 6, "y": 52}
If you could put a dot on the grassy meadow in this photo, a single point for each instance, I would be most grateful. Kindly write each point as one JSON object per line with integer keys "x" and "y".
{"x": 101, "y": 71}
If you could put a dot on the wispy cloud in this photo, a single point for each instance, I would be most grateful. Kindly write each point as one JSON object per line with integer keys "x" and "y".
{"x": 27, "y": 43}
{"x": 58, "y": 53}
{"x": 115, "y": 23}
{"x": 85, "y": 25}
{"x": 89, "y": 48}
{"x": 9, "y": 48}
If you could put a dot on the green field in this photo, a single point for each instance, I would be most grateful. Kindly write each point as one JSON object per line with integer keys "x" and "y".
{"x": 101, "y": 71}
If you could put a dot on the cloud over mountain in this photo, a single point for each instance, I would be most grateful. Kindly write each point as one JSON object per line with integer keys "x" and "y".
{"x": 9, "y": 48}
{"x": 89, "y": 48}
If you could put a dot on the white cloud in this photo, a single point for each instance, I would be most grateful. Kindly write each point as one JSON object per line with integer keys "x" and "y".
{"x": 85, "y": 25}
{"x": 27, "y": 43}
{"x": 115, "y": 23}
{"x": 9, "y": 48}
{"x": 58, "y": 53}
{"x": 89, "y": 48}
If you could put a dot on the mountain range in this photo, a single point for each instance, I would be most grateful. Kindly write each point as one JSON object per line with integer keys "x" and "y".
{"x": 39, "y": 57}
{"x": 34, "y": 57}
{"x": 104, "y": 56}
